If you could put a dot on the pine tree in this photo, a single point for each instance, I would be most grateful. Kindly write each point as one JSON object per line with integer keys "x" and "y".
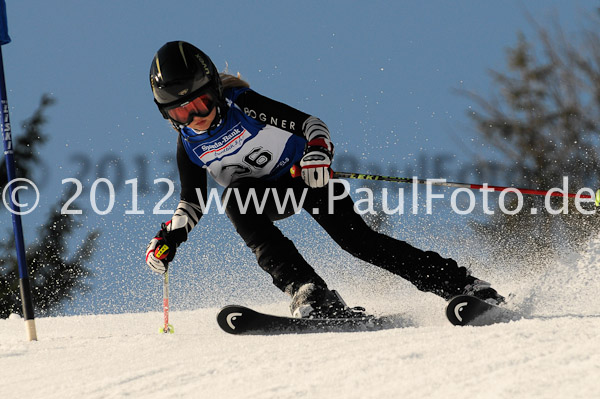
{"x": 54, "y": 275}
{"x": 545, "y": 120}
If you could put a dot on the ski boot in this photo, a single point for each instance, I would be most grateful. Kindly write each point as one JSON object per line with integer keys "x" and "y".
{"x": 316, "y": 302}
{"x": 483, "y": 290}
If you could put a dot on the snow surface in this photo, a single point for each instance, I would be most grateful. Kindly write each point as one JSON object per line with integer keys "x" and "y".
{"x": 554, "y": 353}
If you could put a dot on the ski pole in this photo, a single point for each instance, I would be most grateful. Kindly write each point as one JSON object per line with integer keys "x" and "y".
{"x": 295, "y": 172}
{"x": 435, "y": 182}
{"x": 167, "y": 328}
{"x": 24, "y": 282}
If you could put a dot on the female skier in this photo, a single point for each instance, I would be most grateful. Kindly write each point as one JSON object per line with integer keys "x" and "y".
{"x": 248, "y": 143}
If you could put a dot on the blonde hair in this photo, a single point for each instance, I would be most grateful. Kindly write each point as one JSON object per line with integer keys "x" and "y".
{"x": 231, "y": 81}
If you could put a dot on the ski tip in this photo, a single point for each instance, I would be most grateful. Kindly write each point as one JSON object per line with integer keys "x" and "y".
{"x": 233, "y": 319}
{"x": 456, "y": 310}
{"x": 466, "y": 310}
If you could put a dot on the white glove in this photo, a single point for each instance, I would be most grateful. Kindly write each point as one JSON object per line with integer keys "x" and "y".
{"x": 316, "y": 162}
{"x": 156, "y": 254}
{"x": 161, "y": 249}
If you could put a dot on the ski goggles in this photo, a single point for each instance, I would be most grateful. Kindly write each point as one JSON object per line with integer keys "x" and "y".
{"x": 184, "y": 113}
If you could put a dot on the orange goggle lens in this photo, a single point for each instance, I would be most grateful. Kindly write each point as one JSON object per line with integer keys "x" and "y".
{"x": 200, "y": 106}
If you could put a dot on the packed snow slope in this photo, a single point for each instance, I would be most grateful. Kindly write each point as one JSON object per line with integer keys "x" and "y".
{"x": 553, "y": 353}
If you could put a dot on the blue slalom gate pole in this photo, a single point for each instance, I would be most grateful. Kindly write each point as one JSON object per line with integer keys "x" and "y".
{"x": 15, "y": 208}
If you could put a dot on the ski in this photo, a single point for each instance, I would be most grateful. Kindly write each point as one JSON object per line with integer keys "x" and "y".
{"x": 235, "y": 319}
{"x": 466, "y": 310}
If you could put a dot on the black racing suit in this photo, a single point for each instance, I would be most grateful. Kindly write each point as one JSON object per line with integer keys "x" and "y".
{"x": 275, "y": 253}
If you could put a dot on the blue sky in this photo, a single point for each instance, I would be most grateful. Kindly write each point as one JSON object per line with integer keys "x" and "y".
{"x": 383, "y": 75}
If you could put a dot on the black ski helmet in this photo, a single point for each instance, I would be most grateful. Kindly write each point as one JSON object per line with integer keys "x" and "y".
{"x": 179, "y": 73}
